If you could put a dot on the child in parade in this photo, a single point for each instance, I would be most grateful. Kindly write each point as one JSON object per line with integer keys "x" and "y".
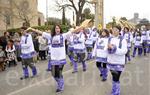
{"x": 10, "y": 51}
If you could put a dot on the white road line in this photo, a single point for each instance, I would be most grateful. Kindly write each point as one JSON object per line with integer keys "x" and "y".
{"x": 30, "y": 86}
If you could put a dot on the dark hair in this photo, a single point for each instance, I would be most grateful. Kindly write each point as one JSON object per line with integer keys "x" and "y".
{"x": 118, "y": 27}
{"x": 11, "y": 41}
{"x": 106, "y": 31}
{"x": 110, "y": 31}
{"x": 23, "y": 28}
{"x": 53, "y": 32}
{"x": 140, "y": 34}
{"x": 5, "y": 33}
{"x": 126, "y": 28}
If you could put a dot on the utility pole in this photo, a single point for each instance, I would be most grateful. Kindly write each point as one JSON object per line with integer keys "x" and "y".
{"x": 99, "y": 12}
{"x": 46, "y": 12}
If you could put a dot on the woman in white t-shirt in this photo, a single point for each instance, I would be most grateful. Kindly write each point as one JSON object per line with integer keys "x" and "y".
{"x": 58, "y": 52}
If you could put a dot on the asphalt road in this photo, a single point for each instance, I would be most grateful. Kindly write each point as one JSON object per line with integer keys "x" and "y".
{"x": 135, "y": 80}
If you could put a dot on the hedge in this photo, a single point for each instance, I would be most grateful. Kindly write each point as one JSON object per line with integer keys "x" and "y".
{"x": 42, "y": 28}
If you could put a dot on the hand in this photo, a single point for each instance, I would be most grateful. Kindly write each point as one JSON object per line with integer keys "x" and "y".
{"x": 75, "y": 37}
{"x": 30, "y": 28}
{"x": 110, "y": 46}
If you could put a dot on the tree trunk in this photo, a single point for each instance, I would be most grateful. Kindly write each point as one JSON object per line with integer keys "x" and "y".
{"x": 78, "y": 18}
{"x": 63, "y": 17}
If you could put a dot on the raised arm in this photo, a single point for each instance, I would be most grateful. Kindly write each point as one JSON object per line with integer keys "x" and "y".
{"x": 44, "y": 34}
{"x": 35, "y": 30}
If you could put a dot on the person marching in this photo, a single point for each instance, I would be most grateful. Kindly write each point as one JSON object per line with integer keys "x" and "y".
{"x": 128, "y": 36}
{"x": 49, "y": 67}
{"x": 100, "y": 51}
{"x": 95, "y": 35}
{"x": 70, "y": 49}
{"x": 144, "y": 38}
{"x": 58, "y": 52}
{"x": 148, "y": 41}
{"x": 89, "y": 43}
{"x": 92, "y": 36}
{"x": 117, "y": 49}
{"x": 137, "y": 42}
{"x": 27, "y": 53}
{"x": 79, "y": 50}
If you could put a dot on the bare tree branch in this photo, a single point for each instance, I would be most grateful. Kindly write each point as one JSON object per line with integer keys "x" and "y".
{"x": 22, "y": 12}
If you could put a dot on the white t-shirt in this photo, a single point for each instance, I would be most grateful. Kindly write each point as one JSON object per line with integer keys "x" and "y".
{"x": 57, "y": 53}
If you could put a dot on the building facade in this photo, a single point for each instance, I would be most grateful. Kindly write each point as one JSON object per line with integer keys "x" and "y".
{"x": 135, "y": 20}
{"x": 13, "y": 13}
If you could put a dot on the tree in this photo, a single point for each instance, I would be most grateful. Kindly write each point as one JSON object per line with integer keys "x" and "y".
{"x": 144, "y": 21}
{"x": 111, "y": 24}
{"x": 53, "y": 21}
{"x": 23, "y": 11}
{"x": 87, "y": 14}
{"x": 124, "y": 18}
{"x": 76, "y": 5}
{"x": 6, "y": 15}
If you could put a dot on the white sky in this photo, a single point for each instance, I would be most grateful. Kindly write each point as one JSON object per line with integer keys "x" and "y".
{"x": 117, "y": 8}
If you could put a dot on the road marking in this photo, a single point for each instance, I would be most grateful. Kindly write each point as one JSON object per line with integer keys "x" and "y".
{"x": 32, "y": 85}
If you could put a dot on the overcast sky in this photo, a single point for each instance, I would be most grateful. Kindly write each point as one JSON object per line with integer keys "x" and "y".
{"x": 117, "y": 8}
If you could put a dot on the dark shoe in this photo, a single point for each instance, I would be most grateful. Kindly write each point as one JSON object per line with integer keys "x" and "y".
{"x": 103, "y": 80}
{"x": 58, "y": 91}
{"x": 48, "y": 70}
{"x": 84, "y": 70}
{"x": 74, "y": 72}
{"x": 25, "y": 77}
{"x": 101, "y": 75}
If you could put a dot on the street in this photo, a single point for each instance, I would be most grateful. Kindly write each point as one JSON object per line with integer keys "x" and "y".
{"x": 135, "y": 80}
